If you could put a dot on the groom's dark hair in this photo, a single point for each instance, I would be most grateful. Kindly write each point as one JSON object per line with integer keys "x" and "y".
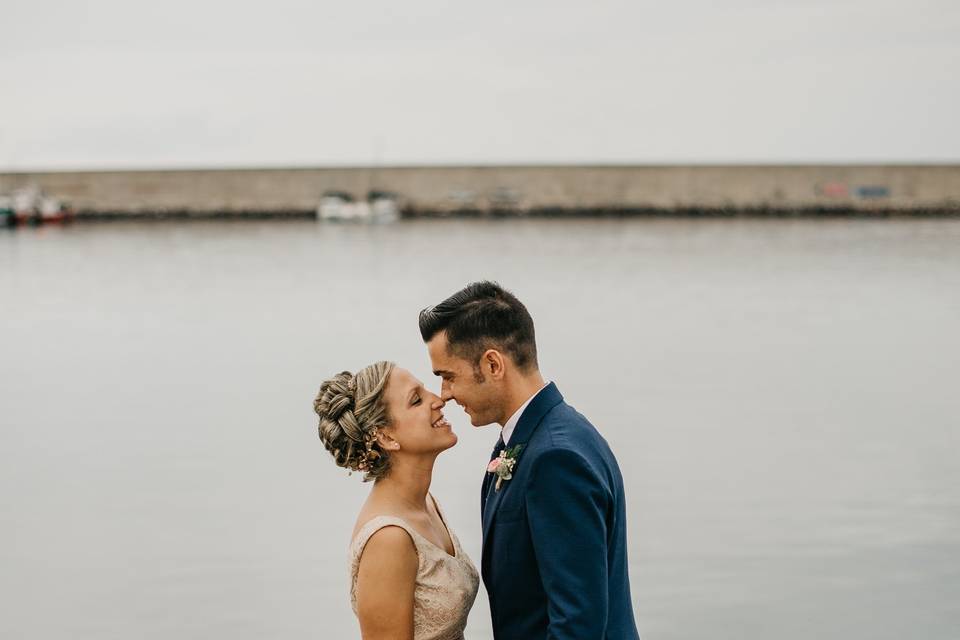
{"x": 481, "y": 316}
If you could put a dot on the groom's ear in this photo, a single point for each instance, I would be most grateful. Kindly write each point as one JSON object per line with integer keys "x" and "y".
{"x": 492, "y": 364}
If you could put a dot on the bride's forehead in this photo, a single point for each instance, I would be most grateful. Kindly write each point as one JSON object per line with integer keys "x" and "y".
{"x": 402, "y": 381}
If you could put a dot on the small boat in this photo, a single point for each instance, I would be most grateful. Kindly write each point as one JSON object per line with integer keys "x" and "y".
{"x": 32, "y": 206}
{"x": 380, "y": 206}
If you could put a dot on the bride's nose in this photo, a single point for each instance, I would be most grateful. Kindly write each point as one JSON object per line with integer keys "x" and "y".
{"x": 438, "y": 402}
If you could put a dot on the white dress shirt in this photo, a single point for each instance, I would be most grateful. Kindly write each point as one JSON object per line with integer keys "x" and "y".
{"x": 515, "y": 418}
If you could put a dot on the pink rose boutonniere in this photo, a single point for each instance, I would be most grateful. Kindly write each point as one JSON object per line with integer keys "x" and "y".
{"x": 502, "y": 466}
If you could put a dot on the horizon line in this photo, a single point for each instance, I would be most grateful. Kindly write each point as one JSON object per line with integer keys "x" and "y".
{"x": 483, "y": 165}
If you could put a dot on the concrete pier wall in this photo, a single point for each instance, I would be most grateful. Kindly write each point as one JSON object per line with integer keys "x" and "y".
{"x": 440, "y": 190}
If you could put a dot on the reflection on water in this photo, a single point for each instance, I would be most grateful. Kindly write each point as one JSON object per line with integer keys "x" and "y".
{"x": 781, "y": 396}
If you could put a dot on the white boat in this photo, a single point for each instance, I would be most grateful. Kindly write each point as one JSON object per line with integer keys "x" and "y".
{"x": 340, "y": 206}
{"x": 31, "y": 205}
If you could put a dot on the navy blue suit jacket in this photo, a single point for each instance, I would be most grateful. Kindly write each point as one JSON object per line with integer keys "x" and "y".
{"x": 554, "y": 536}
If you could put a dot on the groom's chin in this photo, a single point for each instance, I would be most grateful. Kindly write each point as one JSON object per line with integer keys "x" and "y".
{"x": 478, "y": 421}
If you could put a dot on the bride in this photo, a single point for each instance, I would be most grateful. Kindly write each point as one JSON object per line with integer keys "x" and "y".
{"x": 410, "y": 577}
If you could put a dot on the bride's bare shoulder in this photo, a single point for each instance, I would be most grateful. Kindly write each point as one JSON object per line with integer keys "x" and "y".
{"x": 392, "y": 541}
{"x": 389, "y": 553}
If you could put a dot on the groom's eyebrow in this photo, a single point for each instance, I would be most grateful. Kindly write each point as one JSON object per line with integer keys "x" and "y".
{"x": 440, "y": 372}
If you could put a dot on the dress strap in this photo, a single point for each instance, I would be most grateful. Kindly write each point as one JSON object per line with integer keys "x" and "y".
{"x": 446, "y": 527}
{"x": 436, "y": 505}
{"x": 371, "y": 527}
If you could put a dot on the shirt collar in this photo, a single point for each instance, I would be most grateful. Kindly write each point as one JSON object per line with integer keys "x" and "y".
{"x": 515, "y": 418}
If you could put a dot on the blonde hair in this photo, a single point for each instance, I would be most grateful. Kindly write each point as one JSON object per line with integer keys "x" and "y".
{"x": 351, "y": 409}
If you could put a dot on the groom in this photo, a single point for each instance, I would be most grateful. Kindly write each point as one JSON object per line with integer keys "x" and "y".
{"x": 552, "y": 503}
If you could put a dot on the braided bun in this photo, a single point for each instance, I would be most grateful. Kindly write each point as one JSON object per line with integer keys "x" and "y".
{"x": 351, "y": 408}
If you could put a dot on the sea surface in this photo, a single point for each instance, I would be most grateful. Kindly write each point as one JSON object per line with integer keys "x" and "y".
{"x": 783, "y": 397}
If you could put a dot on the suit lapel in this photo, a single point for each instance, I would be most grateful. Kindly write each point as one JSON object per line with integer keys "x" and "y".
{"x": 546, "y": 399}
{"x": 485, "y": 493}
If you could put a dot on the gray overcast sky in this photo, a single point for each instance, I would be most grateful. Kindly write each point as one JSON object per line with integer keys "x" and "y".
{"x": 125, "y": 83}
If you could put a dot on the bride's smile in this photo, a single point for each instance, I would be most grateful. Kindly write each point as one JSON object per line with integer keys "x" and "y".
{"x": 417, "y": 423}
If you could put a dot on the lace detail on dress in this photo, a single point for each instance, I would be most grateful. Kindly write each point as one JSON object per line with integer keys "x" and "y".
{"x": 446, "y": 585}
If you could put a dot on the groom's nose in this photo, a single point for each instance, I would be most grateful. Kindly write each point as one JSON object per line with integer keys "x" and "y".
{"x": 445, "y": 392}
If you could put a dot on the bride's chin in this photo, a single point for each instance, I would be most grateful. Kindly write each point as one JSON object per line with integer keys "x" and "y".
{"x": 450, "y": 439}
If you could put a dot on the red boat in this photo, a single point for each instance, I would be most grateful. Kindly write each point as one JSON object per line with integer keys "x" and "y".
{"x": 32, "y": 206}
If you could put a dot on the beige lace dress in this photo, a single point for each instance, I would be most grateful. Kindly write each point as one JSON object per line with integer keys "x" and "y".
{"x": 446, "y": 585}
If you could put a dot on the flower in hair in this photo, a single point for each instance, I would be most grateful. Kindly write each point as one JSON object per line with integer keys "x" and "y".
{"x": 369, "y": 455}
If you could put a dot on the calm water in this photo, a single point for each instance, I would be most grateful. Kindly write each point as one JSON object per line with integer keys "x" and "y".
{"x": 782, "y": 396}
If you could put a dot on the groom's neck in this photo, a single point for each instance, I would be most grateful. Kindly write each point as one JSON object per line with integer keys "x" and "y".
{"x": 521, "y": 388}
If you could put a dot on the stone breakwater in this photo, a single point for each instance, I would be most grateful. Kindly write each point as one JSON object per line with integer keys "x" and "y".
{"x": 868, "y": 190}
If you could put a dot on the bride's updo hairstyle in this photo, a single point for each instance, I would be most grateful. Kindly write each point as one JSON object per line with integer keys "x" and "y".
{"x": 351, "y": 409}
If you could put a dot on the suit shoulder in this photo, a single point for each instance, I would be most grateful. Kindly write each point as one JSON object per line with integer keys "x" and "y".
{"x": 564, "y": 427}
{"x": 566, "y": 430}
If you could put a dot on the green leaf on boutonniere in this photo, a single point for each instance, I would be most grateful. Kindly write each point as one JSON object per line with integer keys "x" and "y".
{"x": 503, "y": 466}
